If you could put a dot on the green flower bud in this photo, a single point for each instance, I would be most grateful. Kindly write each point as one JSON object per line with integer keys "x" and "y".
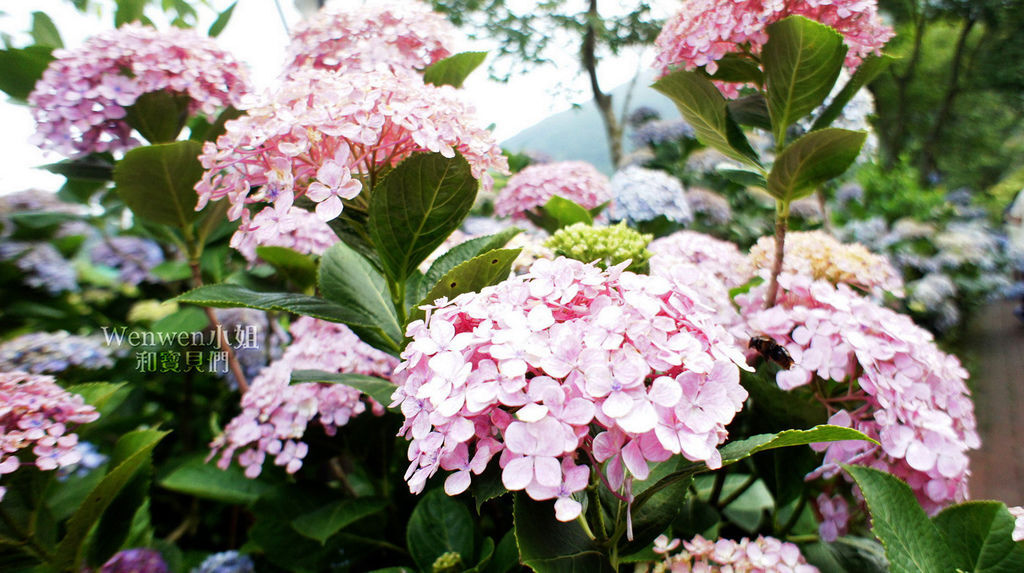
{"x": 607, "y": 246}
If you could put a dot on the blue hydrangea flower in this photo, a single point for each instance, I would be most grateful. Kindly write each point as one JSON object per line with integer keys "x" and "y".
{"x": 132, "y": 257}
{"x": 43, "y": 265}
{"x": 53, "y": 352}
{"x": 644, "y": 194}
{"x": 661, "y": 131}
{"x": 226, "y": 562}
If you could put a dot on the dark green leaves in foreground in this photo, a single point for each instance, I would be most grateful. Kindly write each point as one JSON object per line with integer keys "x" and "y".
{"x": 440, "y": 524}
{"x": 481, "y": 271}
{"x": 812, "y": 160}
{"x": 349, "y": 280}
{"x": 22, "y": 69}
{"x": 973, "y": 536}
{"x": 156, "y": 182}
{"x": 548, "y": 545}
{"x": 453, "y": 70}
{"x": 376, "y": 388}
{"x": 416, "y": 207}
{"x": 704, "y": 108}
{"x": 801, "y": 59}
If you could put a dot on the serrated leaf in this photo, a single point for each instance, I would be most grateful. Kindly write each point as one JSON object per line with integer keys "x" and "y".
{"x": 866, "y": 72}
{"x": 221, "y": 22}
{"x": 205, "y": 480}
{"x": 347, "y": 279}
{"x": 742, "y": 449}
{"x": 487, "y": 485}
{"x": 506, "y": 555}
{"x": 418, "y": 287}
{"x": 812, "y": 160}
{"x": 234, "y": 296}
{"x": 292, "y": 265}
{"x": 159, "y": 116}
{"x": 738, "y": 68}
{"x": 547, "y": 545}
{"x": 416, "y": 207}
{"x": 979, "y": 535}
{"x": 131, "y": 452}
{"x": 439, "y": 525}
{"x": 453, "y": 70}
{"x": 377, "y": 388}
{"x": 22, "y": 68}
{"x": 44, "y": 32}
{"x": 188, "y": 319}
{"x": 481, "y": 271}
{"x": 156, "y": 182}
{"x": 751, "y": 110}
{"x": 801, "y": 59}
{"x": 706, "y": 110}
{"x": 912, "y": 543}
{"x": 322, "y": 523}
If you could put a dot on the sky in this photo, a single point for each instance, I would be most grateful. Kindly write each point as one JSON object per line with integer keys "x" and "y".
{"x": 256, "y": 35}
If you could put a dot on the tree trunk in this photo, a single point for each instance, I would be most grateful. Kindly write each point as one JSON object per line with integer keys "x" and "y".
{"x": 928, "y": 161}
{"x": 588, "y": 57}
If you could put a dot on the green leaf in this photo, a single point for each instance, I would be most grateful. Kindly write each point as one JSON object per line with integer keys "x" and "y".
{"x": 416, "y": 207}
{"x": 742, "y": 449}
{"x": 453, "y": 70}
{"x": 486, "y": 553}
{"x": 322, "y": 523}
{"x": 417, "y": 287}
{"x": 473, "y": 275}
{"x": 650, "y": 520}
{"x": 129, "y": 11}
{"x": 44, "y": 33}
{"x": 104, "y": 396}
{"x": 294, "y": 266}
{"x": 812, "y": 160}
{"x": 912, "y": 543}
{"x": 349, "y": 280}
{"x": 159, "y": 116}
{"x": 547, "y": 545}
{"x": 376, "y": 388}
{"x": 221, "y": 22}
{"x": 188, "y": 319}
{"x": 751, "y": 110}
{"x": 706, "y": 110}
{"x": 738, "y": 68}
{"x": 867, "y": 71}
{"x": 439, "y": 525}
{"x": 131, "y": 453}
{"x": 156, "y": 182}
{"x": 506, "y": 555}
{"x": 979, "y": 535}
{"x": 744, "y": 177}
{"x": 204, "y": 480}
{"x": 92, "y": 167}
{"x": 22, "y": 69}
{"x": 487, "y": 485}
{"x": 801, "y": 59}
{"x": 169, "y": 271}
{"x": 567, "y": 212}
{"x": 234, "y": 296}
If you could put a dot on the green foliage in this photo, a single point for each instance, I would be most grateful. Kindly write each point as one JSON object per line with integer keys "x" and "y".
{"x": 550, "y": 546}
{"x": 320, "y": 524}
{"x": 453, "y": 70}
{"x": 298, "y": 268}
{"x": 156, "y": 182}
{"x": 481, "y": 271}
{"x": 416, "y": 207}
{"x": 706, "y": 110}
{"x": 222, "y": 21}
{"x": 802, "y": 59}
{"x": 22, "y": 68}
{"x": 352, "y": 283}
{"x": 159, "y": 116}
{"x": 195, "y": 476}
{"x": 440, "y": 525}
{"x": 44, "y": 32}
{"x": 812, "y": 160}
{"x": 376, "y": 388}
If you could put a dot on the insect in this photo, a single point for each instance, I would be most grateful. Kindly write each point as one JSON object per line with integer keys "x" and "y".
{"x": 770, "y": 350}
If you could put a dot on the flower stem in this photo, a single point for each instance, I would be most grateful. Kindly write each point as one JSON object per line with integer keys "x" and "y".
{"x": 233, "y": 363}
{"x": 781, "y": 223}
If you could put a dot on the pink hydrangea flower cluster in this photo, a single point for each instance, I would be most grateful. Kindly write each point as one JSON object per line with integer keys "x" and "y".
{"x": 275, "y": 414}
{"x": 79, "y": 103}
{"x": 36, "y": 413}
{"x": 297, "y": 229}
{"x": 721, "y": 259}
{"x": 405, "y": 35}
{"x": 706, "y": 30}
{"x": 532, "y": 187}
{"x": 323, "y": 136}
{"x": 834, "y": 516}
{"x": 761, "y": 555}
{"x": 819, "y": 255}
{"x": 563, "y": 369}
{"x": 899, "y": 387}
